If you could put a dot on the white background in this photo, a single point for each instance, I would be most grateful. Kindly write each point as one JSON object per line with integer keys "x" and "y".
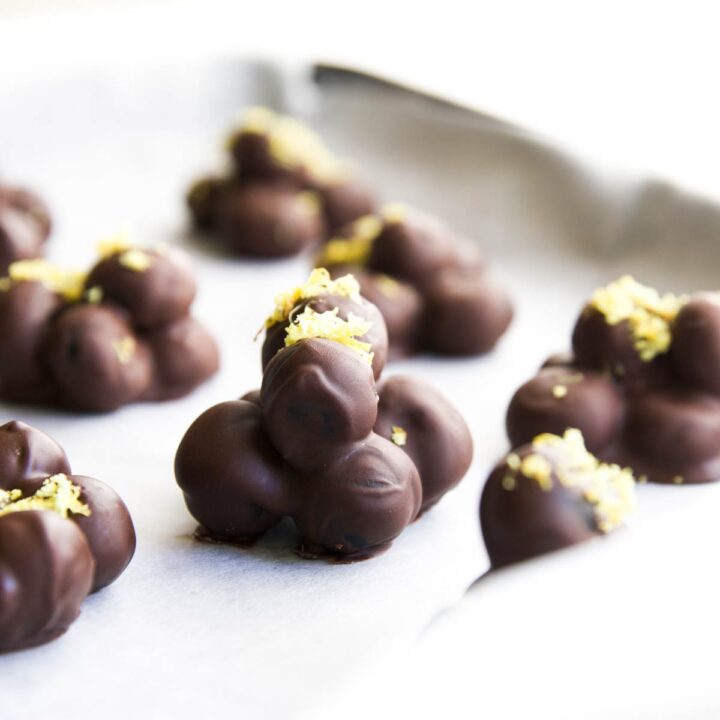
{"x": 631, "y": 84}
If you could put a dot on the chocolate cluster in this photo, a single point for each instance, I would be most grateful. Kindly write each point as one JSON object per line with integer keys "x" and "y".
{"x": 642, "y": 384}
{"x": 352, "y": 462}
{"x": 62, "y": 536}
{"x": 284, "y": 192}
{"x": 550, "y": 494}
{"x": 95, "y": 341}
{"x": 432, "y": 286}
{"x": 24, "y": 225}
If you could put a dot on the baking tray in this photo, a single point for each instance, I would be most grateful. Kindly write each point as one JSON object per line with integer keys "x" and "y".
{"x": 192, "y": 628}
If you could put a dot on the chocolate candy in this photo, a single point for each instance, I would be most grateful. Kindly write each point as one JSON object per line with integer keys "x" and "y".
{"x": 350, "y": 462}
{"x": 416, "y": 417}
{"x": 28, "y": 457}
{"x": 264, "y": 220}
{"x": 62, "y": 536}
{"x": 120, "y": 334}
{"x": 46, "y": 571}
{"x": 321, "y": 295}
{"x": 550, "y": 494}
{"x": 24, "y": 225}
{"x": 285, "y": 191}
{"x": 432, "y": 286}
{"x": 641, "y": 384}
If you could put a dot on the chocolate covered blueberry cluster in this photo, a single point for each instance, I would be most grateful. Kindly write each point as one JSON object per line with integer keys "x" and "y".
{"x": 62, "y": 536}
{"x": 95, "y": 341}
{"x": 285, "y": 191}
{"x": 431, "y": 286}
{"x": 642, "y": 384}
{"x": 352, "y": 462}
{"x": 549, "y": 494}
{"x": 24, "y": 225}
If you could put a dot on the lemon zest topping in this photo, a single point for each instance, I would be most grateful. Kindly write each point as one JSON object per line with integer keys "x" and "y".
{"x": 508, "y": 483}
{"x": 68, "y": 283}
{"x": 292, "y": 144}
{"x": 354, "y": 249}
{"x": 309, "y": 202}
{"x": 399, "y": 436}
{"x": 124, "y": 349}
{"x": 559, "y": 391}
{"x": 310, "y": 324}
{"x": 536, "y": 467}
{"x": 136, "y": 259}
{"x": 609, "y": 488}
{"x": 319, "y": 283}
{"x": 115, "y": 244}
{"x": 94, "y": 295}
{"x": 394, "y": 212}
{"x": 388, "y": 286}
{"x": 647, "y": 313}
{"x": 57, "y": 493}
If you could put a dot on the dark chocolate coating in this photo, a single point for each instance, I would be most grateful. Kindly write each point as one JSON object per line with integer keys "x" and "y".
{"x": 401, "y": 307}
{"x": 438, "y": 440}
{"x": 202, "y": 201}
{"x": 527, "y": 521}
{"x": 185, "y": 355}
{"x": 695, "y": 348}
{"x": 678, "y": 429}
{"x": 24, "y": 225}
{"x": 252, "y": 396}
{"x": 377, "y": 334}
{"x": 317, "y": 395}
{"x": 464, "y": 314}
{"x": 134, "y": 340}
{"x": 345, "y": 201}
{"x": 25, "y": 310}
{"x": 153, "y": 297}
{"x": 360, "y": 502}
{"x": 610, "y": 348}
{"x": 266, "y": 221}
{"x": 46, "y": 571}
{"x": 81, "y": 353}
{"x": 593, "y": 403}
{"x": 418, "y": 248}
{"x": 661, "y": 417}
{"x": 27, "y": 457}
{"x": 109, "y": 530}
{"x": 254, "y": 161}
{"x": 432, "y": 288}
{"x": 235, "y": 484}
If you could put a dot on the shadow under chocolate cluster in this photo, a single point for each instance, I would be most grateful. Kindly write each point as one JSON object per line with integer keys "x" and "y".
{"x": 95, "y": 341}
{"x": 351, "y": 462}
{"x": 642, "y": 384}
{"x": 285, "y": 191}
{"x": 62, "y": 536}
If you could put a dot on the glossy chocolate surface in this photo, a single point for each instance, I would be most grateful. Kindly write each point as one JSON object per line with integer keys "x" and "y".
{"x": 24, "y": 225}
{"x": 51, "y": 559}
{"x": 351, "y": 462}
{"x": 123, "y": 334}
{"x": 283, "y": 194}
{"x": 645, "y": 391}
{"x": 431, "y": 285}
{"x": 544, "y": 497}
